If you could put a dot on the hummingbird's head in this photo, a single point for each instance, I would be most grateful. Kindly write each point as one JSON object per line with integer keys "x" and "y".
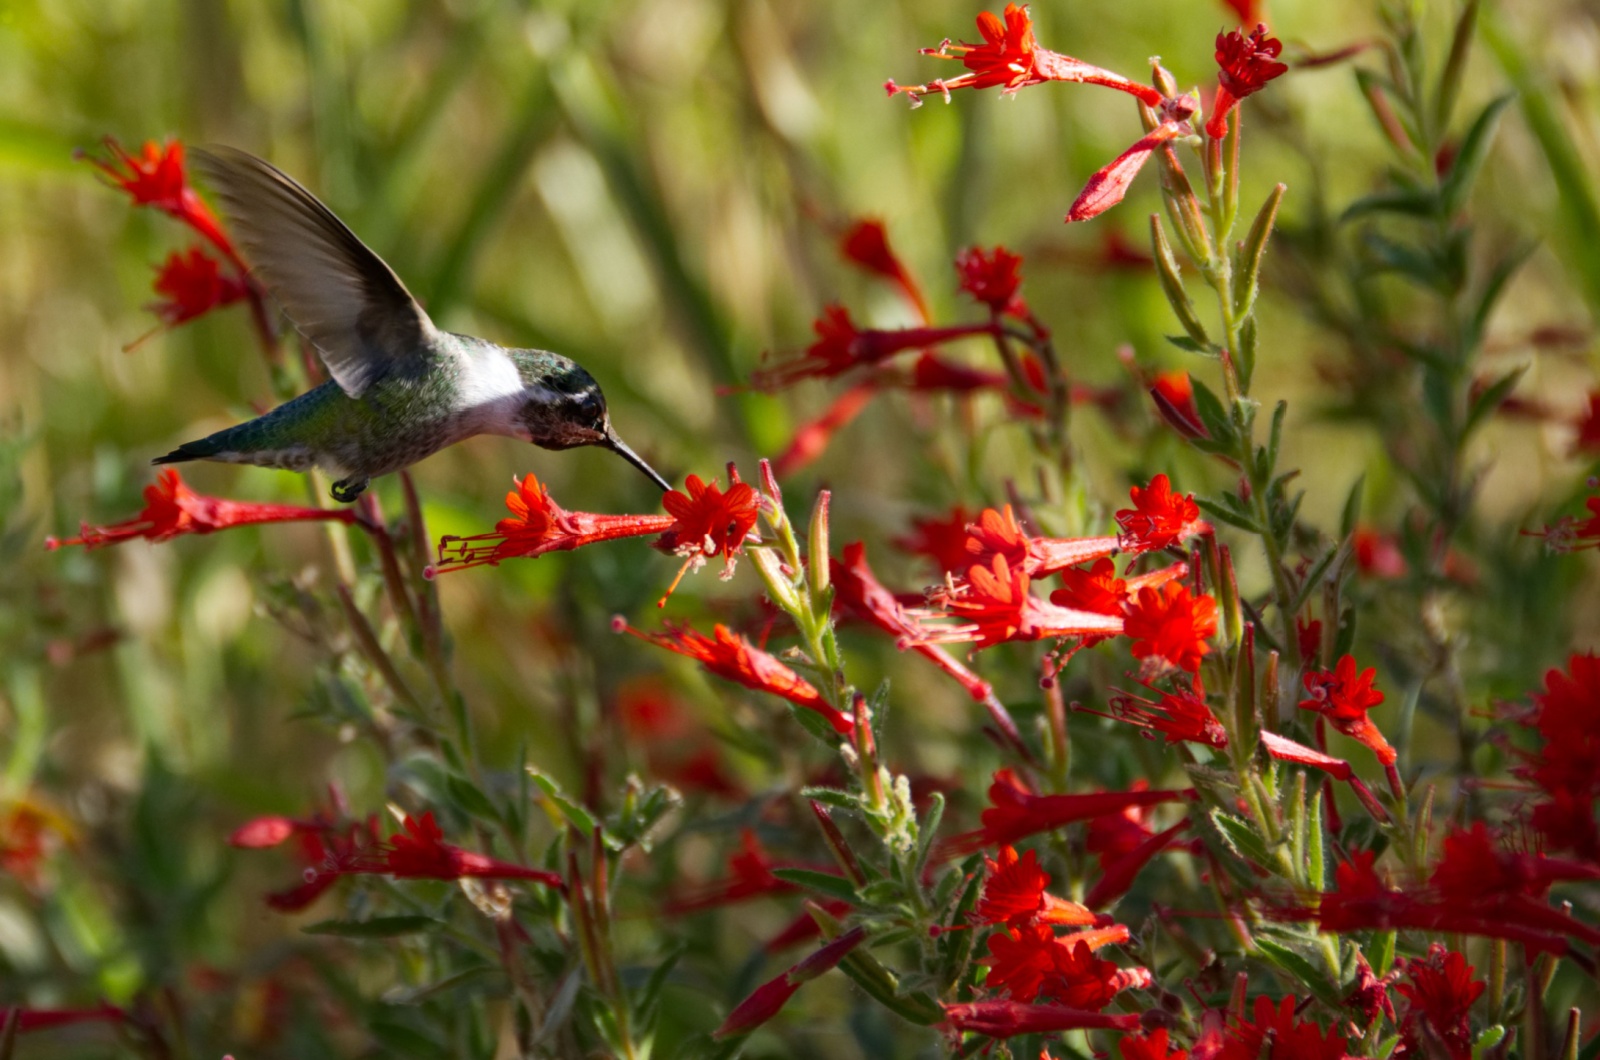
{"x": 563, "y": 407}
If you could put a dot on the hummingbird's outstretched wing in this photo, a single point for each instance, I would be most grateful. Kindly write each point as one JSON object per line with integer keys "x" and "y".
{"x": 339, "y": 294}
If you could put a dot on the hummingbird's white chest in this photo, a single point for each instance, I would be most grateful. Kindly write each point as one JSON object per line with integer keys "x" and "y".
{"x": 491, "y": 395}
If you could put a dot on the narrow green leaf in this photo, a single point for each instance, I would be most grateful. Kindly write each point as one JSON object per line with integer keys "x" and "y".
{"x": 1455, "y": 66}
{"x": 1241, "y": 838}
{"x": 470, "y": 798}
{"x": 575, "y": 815}
{"x": 1172, "y": 285}
{"x": 1470, "y": 157}
{"x": 1222, "y": 514}
{"x": 1248, "y": 279}
{"x": 1407, "y": 202}
{"x": 821, "y": 882}
{"x": 1302, "y": 969}
{"x": 379, "y": 927}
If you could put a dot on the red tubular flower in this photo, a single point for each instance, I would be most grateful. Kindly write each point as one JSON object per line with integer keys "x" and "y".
{"x": 1180, "y": 715}
{"x": 1567, "y": 767}
{"x": 996, "y": 607}
{"x": 749, "y": 876}
{"x": 1248, "y": 63}
{"x": 1285, "y": 1037}
{"x": 1169, "y": 624}
{"x": 1007, "y": 1019}
{"x": 812, "y": 439}
{"x": 1159, "y": 517}
{"x": 1010, "y": 59}
{"x": 993, "y": 279}
{"x": 735, "y": 659}
{"x": 172, "y": 509}
{"x": 859, "y": 591}
{"x": 1587, "y": 426}
{"x": 1152, "y": 1046}
{"x": 29, "y": 831}
{"x": 772, "y": 995}
{"x": 1173, "y": 393}
{"x": 1441, "y": 991}
{"x": 943, "y": 540}
{"x": 841, "y": 346}
{"x": 1108, "y": 185}
{"x": 156, "y": 177}
{"x": 1015, "y": 812}
{"x": 1286, "y": 750}
{"x": 326, "y": 849}
{"x": 1014, "y": 893}
{"x": 1571, "y": 534}
{"x": 867, "y": 244}
{"x": 804, "y": 927}
{"x": 191, "y": 285}
{"x": 537, "y": 525}
{"x": 1344, "y": 697}
{"x": 1119, "y": 874}
{"x": 420, "y": 852}
{"x": 40, "y": 1019}
{"x": 707, "y": 522}
{"x": 997, "y": 533}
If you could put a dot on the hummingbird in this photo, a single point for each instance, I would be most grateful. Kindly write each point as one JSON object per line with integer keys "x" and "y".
{"x": 401, "y": 389}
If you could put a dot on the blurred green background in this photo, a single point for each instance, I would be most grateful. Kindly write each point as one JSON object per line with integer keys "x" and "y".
{"x": 656, "y": 189}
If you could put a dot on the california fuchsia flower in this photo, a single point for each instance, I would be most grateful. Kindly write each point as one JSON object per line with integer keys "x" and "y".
{"x": 1567, "y": 767}
{"x": 1014, "y": 893}
{"x": 420, "y": 852}
{"x": 1343, "y": 697}
{"x": 1274, "y": 1032}
{"x": 942, "y": 539}
{"x": 193, "y": 284}
{"x": 749, "y": 876}
{"x": 537, "y": 525}
{"x": 995, "y": 606}
{"x": 172, "y": 508}
{"x": 1169, "y": 625}
{"x": 733, "y": 658}
{"x": 326, "y": 849}
{"x": 772, "y": 995}
{"x": 841, "y": 346}
{"x": 811, "y": 439}
{"x": 1441, "y": 990}
{"x": 1030, "y": 962}
{"x": 1118, "y": 873}
{"x": 1570, "y": 533}
{"x": 858, "y": 590}
{"x": 1159, "y": 517}
{"x": 867, "y": 244}
{"x": 1007, "y": 1019}
{"x": 1010, "y": 59}
{"x": 707, "y": 522}
{"x": 29, "y": 830}
{"x": 1179, "y": 715}
{"x": 156, "y": 177}
{"x": 1247, "y": 64}
{"x": 1152, "y": 1046}
{"x": 997, "y": 533}
{"x": 1587, "y": 436}
{"x": 40, "y": 1019}
{"x": 1109, "y": 185}
{"x": 1015, "y": 812}
{"x": 1173, "y": 394}
{"x": 994, "y": 279}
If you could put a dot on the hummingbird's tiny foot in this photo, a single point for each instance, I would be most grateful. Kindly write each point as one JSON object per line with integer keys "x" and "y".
{"x": 346, "y": 490}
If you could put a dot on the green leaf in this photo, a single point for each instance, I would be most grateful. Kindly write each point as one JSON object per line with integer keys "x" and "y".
{"x": 470, "y": 798}
{"x": 1455, "y": 66}
{"x": 928, "y": 830}
{"x": 1221, "y": 514}
{"x": 1490, "y": 398}
{"x": 1184, "y": 342}
{"x": 465, "y": 977}
{"x": 575, "y": 815}
{"x": 833, "y": 797}
{"x": 1457, "y": 186}
{"x": 1213, "y": 416}
{"x": 1241, "y": 839}
{"x": 1351, "y": 514}
{"x": 1408, "y": 202}
{"x": 379, "y": 927}
{"x": 1299, "y": 967}
{"x": 815, "y": 724}
{"x": 1254, "y": 248}
{"x": 821, "y": 882}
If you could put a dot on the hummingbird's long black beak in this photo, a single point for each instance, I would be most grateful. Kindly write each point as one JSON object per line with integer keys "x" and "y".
{"x": 618, "y": 446}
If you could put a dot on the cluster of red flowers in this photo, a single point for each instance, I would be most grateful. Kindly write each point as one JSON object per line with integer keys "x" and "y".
{"x": 1565, "y": 768}
{"x": 1167, "y": 623}
{"x": 190, "y": 283}
{"x": 1010, "y": 58}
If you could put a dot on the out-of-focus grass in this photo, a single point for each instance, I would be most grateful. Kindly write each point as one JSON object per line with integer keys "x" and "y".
{"x": 653, "y": 187}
